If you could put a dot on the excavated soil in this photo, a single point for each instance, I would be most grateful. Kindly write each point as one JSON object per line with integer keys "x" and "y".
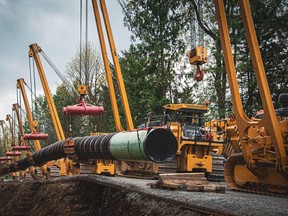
{"x": 101, "y": 195}
{"x": 80, "y": 197}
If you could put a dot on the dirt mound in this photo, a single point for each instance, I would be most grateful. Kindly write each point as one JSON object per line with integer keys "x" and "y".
{"x": 79, "y": 197}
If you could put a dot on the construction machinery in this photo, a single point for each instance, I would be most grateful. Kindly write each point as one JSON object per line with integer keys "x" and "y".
{"x": 260, "y": 164}
{"x": 15, "y": 155}
{"x": 126, "y": 167}
{"x": 199, "y": 143}
{"x": 22, "y": 145}
{"x": 35, "y": 135}
{"x": 65, "y": 166}
{"x": 6, "y": 158}
{"x": 12, "y": 153}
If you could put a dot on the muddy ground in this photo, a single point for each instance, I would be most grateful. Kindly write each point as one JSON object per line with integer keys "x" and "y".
{"x": 100, "y": 195}
{"x": 80, "y": 197}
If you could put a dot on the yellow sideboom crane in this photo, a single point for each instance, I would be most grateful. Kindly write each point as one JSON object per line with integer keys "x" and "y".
{"x": 262, "y": 164}
{"x": 33, "y": 124}
{"x": 15, "y": 108}
{"x": 22, "y": 144}
{"x": 5, "y": 140}
{"x": 126, "y": 166}
{"x": 14, "y": 154}
{"x": 65, "y": 165}
{"x": 13, "y": 140}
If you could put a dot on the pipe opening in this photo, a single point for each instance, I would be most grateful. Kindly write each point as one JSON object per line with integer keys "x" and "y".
{"x": 160, "y": 145}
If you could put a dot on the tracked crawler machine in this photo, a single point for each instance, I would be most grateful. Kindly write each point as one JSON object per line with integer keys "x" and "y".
{"x": 196, "y": 141}
{"x": 261, "y": 166}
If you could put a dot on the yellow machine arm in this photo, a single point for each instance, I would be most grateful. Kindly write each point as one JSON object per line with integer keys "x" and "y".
{"x": 269, "y": 120}
{"x": 15, "y": 108}
{"x": 8, "y": 118}
{"x": 130, "y": 126}
{"x": 32, "y": 124}
{"x": 264, "y": 167}
{"x": 66, "y": 166}
{"x": 2, "y": 123}
{"x": 34, "y": 52}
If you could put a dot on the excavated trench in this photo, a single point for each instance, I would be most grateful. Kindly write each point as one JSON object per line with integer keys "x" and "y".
{"x": 81, "y": 197}
{"x": 90, "y": 194}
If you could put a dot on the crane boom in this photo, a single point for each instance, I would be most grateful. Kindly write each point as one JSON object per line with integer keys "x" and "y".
{"x": 2, "y": 123}
{"x": 32, "y": 124}
{"x": 16, "y": 108}
{"x": 8, "y": 118}
{"x": 128, "y": 117}
{"x": 263, "y": 161}
{"x": 34, "y": 52}
{"x": 66, "y": 166}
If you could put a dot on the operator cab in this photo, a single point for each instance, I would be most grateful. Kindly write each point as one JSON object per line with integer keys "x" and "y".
{"x": 191, "y": 118}
{"x": 281, "y": 112}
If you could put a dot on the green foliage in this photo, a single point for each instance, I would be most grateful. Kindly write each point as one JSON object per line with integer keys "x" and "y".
{"x": 149, "y": 64}
{"x": 270, "y": 19}
{"x": 159, "y": 31}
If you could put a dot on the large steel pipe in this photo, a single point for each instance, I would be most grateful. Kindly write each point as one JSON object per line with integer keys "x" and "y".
{"x": 157, "y": 145}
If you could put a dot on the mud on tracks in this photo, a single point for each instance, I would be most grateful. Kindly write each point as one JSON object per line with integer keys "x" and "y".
{"x": 73, "y": 196}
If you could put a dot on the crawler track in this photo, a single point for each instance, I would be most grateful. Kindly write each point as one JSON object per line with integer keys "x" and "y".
{"x": 250, "y": 187}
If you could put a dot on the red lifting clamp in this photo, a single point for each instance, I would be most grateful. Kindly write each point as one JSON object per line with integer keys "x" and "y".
{"x": 5, "y": 158}
{"x": 13, "y": 153}
{"x": 21, "y": 148}
{"x": 35, "y": 136}
{"x": 82, "y": 108}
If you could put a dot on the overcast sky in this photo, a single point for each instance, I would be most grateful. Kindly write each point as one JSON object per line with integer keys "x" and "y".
{"x": 54, "y": 25}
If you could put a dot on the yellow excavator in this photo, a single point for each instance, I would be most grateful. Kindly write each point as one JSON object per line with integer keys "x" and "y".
{"x": 133, "y": 168}
{"x": 261, "y": 166}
